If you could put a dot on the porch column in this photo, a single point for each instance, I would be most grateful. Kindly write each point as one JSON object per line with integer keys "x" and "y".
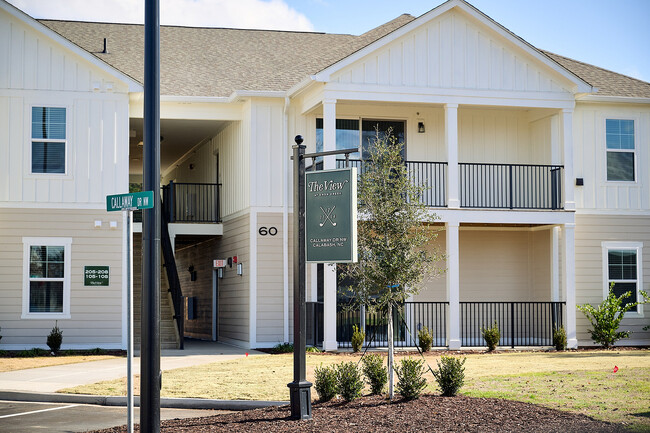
{"x": 329, "y": 271}
{"x": 451, "y": 142}
{"x": 567, "y": 147}
{"x": 569, "y": 280}
{"x": 453, "y": 285}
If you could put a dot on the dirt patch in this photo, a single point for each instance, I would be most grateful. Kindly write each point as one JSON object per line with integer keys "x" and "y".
{"x": 376, "y": 414}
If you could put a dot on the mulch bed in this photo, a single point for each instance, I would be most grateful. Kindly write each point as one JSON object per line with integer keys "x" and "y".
{"x": 376, "y": 414}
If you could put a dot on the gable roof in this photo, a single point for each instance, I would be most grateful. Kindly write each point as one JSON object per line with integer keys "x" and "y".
{"x": 219, "y": 61}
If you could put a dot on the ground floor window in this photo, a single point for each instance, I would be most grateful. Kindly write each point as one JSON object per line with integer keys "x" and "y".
{"x": 622, "y": 267}
{"x": 46, "y": 277}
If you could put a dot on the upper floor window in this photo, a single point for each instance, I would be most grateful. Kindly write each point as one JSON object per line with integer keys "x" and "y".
{"x": 46, "y": 290}
{"x": 351, "y": 133}
{"x": 48, "y": 140}
{"x": 620, "y": 149}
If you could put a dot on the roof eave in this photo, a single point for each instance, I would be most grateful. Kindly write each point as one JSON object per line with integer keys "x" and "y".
{"x": 612, "y": 99}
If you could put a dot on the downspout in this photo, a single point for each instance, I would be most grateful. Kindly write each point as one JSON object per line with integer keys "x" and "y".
{"x": 285, "y": 222}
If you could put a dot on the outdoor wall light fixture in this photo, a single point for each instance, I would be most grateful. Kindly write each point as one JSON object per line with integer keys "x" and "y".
{"x": 240, "y": 269}
{"x": 220, "y": 273}
{"x": 192, "y": 273}
{"x": 421, "y": 127}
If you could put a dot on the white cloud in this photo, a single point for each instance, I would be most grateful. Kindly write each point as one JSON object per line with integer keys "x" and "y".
{"x": 255, "y": 14}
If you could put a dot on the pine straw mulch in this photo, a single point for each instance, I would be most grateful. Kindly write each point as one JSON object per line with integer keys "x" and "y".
{"x": 376, "y": 414}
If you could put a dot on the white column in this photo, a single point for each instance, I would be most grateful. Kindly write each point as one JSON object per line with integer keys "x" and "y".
{"x": 329, "y": 286}
{"x": 567, "y": 147}
{"x": 453, "y": 285}
{"x": 555, "y": 264}
{"x": 569, "y": 280}
{"x": 451, "y": 142}
{"x": 329, "y": 132}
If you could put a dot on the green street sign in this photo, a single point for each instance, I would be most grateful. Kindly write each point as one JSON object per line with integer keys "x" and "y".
{"x": 96, "y": 275}
{"x": 130, "y": 201}
{"x": 331, "y": 216}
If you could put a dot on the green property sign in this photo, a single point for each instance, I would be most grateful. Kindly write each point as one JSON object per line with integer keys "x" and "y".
{"x": 331, "y": 216}
{"x": 130, "y": 201}
{"x": 96, "y": 275}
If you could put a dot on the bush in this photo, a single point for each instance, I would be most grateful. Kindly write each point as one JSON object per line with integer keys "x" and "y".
{"x": 283, "y": 348}
{"x": 326, "y": 383}
{"x": 450, "y": 375}
{"x": 410, "y": 380}
{"x": 358, "y": 337}
{"x": 55, "y": 338}
{"x": 375, "y": 372}
{"x": 491, "y": 336}
{"x": 350, "y": 383}
{"x": 425, "y": 339}
{"x": 312, "y": 349}
{"x": 607, "y": 317}
{"x": 559, "y": 338}
{"x": 32, "y": 353}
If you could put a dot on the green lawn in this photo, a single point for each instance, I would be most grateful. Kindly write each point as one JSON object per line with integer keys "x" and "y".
{"x": 581, "y": 382}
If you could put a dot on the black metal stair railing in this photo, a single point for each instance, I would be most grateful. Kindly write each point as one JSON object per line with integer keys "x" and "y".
{"x": 192, "y": 202}
{"x": 172, "y": 274}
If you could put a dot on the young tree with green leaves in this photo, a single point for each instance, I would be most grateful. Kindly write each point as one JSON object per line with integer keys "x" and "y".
{"x": 392, "y": 234}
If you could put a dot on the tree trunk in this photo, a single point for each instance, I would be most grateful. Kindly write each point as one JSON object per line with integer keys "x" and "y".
{"x": 391, "y": 391}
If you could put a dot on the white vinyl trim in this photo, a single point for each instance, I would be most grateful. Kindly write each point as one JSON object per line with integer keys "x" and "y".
{"x": 631, "y": 246}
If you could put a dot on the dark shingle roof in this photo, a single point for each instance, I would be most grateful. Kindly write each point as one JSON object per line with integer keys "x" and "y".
{"x": 608, "y": 83}
{"x": 218, "y": 61}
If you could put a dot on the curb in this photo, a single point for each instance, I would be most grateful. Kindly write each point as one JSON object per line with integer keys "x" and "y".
{"x": 103, "y": 400}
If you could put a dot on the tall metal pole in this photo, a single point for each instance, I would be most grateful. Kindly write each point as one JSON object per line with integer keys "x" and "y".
{"x": 150, "y": 378}
{"x": 299, "y": 389}
{"x": 129, "y": 314}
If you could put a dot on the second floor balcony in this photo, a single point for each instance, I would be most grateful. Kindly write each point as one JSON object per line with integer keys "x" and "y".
{"x": 486, "y": 185}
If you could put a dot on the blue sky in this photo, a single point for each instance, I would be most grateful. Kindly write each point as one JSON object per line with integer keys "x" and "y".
{"x": 613, "y": 34}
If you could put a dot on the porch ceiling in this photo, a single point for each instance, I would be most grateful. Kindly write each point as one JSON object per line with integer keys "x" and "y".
{"x": 179, "y": 136}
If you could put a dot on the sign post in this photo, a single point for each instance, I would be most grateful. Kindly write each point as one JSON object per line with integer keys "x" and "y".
{"x": 126, "y": 203}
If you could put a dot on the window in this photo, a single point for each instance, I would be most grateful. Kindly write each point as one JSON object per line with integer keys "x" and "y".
{"x": 48, "y": 140}
{"x": 622, "y": 266}
{"x": 620, "y": 150}
{"x": 46, "y": 277}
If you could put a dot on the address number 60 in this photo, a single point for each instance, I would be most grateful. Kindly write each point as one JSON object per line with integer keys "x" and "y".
{"x": 263, "y": 231}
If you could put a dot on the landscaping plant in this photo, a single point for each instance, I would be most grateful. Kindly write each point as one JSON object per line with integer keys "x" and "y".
{"x": 491, "y": 336}
{"x": 559, "y": 338}
{"x": 55, "y": 338}
{"x": 326, "y": 382}
{"x": 283, "y": 348}
{"x": 425, "y": 339}
{"x": 410, "y": 378}
{"x": 450, "y": 375}
{"x": 350, "y": 383}
{"x": 607, "y": 317}
{"x": 392, "y": 261}
{"x": 358, "y": 337}
{"x": 375, "y": 372}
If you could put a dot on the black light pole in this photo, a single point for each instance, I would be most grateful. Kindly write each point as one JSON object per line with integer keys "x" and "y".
{"x": 299, "y": 389}
{"x": 150, "y": 323}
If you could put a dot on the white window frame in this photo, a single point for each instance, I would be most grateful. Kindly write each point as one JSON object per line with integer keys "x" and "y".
{"x": 33, "y": 241}
{"x": 66, "y": 141}
{"x": 632, "y": 246}
{"x": 633, "y": 151}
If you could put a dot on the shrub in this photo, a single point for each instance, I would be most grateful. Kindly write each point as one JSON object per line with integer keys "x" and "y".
{"x": 358, "y": 337}
{"x": 326, "y": 383}
{"x": 425, "y": 339}
{"x": 607, "y": 317}
{"x": 312, "y": 349}
{"x": 350, "y": 383}
{"x": 559, "y": 338}
{"x": 32, "y": 353}
{"x": 450, "y": 375}
{"x": 410, "y": 380}
{"x": 491, "y": 336}
{"x": 55, "y": 338}
{"x": 283, "y": 348}
{"x": 375, "y": 372}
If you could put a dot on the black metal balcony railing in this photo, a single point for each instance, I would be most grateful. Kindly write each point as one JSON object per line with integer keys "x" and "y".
{"x": 510, "y": 186}
{"x": 192, "y": 202}
{"x": 520, "y": 323}
{"x": 408, "y": 319}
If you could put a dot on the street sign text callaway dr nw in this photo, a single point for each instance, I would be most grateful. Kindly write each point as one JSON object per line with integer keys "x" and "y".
{"x": 331, "y": 216}
{"x": 130, "y": 201}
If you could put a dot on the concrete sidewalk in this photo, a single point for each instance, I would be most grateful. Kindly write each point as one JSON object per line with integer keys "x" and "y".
{"x": 51, "y": 379}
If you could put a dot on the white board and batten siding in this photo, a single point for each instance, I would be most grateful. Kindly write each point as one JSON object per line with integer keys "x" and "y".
{"x": 454, "y": 51}
{"x": 590, "y": 156}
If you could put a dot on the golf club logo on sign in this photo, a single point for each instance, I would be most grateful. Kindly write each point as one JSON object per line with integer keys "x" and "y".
{"x": 331, "y": 216}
